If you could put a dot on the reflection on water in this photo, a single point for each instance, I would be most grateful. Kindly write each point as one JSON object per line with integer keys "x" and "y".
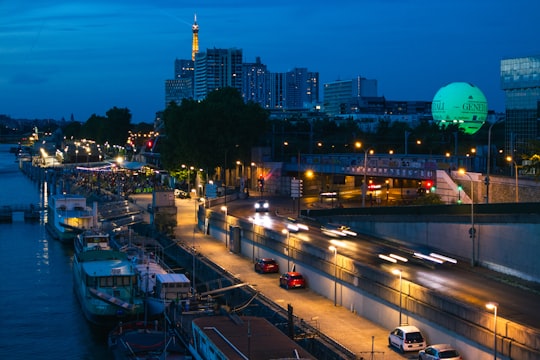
{"x": 41, "y": 318}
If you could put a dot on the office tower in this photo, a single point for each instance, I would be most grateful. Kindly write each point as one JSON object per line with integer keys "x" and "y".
{"x": 181, "y": 87}
{"x": 216, "y": 69}
{"x": 347, "y": 96}
{"x": 195, "y": 42}
{"x": 253, "y": 80}
{"x": 520, "y": 81}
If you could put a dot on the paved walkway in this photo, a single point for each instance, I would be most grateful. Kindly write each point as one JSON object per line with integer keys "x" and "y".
{"x": 361, "y": 336}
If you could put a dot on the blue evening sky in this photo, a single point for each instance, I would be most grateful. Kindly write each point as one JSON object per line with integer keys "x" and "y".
{"x": 59, "y": 58}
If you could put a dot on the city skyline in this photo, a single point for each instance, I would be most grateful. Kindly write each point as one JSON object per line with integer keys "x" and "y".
{"x": 85, "y": 58}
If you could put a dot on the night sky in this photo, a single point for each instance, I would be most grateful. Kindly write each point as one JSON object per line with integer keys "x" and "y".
{"x": 59, "y": 58}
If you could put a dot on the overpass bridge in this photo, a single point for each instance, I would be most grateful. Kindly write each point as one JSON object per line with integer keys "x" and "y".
{"x": 414, "y": 167}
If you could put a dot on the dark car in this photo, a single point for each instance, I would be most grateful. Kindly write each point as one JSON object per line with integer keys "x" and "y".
{"x": 262, "y": 206}
{"x": 266, "y": 265}
{"x": 291, "y": 280}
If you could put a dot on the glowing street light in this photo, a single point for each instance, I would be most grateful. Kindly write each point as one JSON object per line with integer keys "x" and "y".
{"x": 494, "y": 306}
{"x": 398, "y": 272}
{"x": 511, "y": 160}
{"x": 334, "y": 249}
{"x": 364, "y": 184}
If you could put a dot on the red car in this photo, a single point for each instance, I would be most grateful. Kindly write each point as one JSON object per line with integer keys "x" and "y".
{"x": 266, "y": 265}
{"x": 291, "y": 280}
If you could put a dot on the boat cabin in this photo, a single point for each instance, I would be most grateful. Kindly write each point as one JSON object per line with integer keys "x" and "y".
{"x": 172, "y": 286}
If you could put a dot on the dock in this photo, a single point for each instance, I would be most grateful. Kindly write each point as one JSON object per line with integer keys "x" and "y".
{"x": 20, "y": 212}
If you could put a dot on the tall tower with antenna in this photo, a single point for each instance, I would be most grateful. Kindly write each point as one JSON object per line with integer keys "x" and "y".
{"x": 195, "y": 43}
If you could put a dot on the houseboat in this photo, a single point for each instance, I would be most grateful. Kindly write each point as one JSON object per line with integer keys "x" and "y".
{"x": 68, "y": 215}
{"x": 106, "y": 285}
{"x": 92, "y": 239}
{"x": 241, "y": 337}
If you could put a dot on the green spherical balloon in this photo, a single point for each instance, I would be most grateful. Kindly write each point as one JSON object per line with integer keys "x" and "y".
{"x": 462, "y": 104}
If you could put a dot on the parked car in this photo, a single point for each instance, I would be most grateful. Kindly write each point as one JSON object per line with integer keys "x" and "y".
{"x": 262, "y": 206}
{"x": 407, "y": 338}
{"x": 266, "y": 265}
{"x": 291, "y": 280}
{"x": 438, "y": 352}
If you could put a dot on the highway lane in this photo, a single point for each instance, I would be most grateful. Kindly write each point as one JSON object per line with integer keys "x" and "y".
{"x": 475, "y": 286}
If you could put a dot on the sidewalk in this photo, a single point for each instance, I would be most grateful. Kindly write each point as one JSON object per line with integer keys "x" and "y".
{"x": 355, "y": 333}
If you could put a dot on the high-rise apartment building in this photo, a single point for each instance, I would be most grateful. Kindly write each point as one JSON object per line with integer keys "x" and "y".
{"x": 275, "y": 92}
{"x": 302, "y": 89}
{"x": 253, "y": 80}
{"x": 216, "y": 69}
{"x": 297, "y": 89}
{"x": 520, "y": 80}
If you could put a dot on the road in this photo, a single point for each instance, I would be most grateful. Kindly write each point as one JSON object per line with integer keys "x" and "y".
{"x": 477, "y": 286}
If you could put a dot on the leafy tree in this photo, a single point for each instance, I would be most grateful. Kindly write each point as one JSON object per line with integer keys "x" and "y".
{"x": 112, "y": 129}
{"x": 533, "y": 163}
{"x": 221, "y": 127}
{"x": 72, "y": 130}
{"x": 94, "y": 128}
{"x": 117, "y": 126}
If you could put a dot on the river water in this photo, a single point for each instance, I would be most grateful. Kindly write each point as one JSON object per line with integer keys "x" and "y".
{"x": 40, "y": 317}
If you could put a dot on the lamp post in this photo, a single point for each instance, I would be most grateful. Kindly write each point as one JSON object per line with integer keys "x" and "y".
{"x": 252, "y": 219}
{"x": 398, "y": 272}
{"x": 494, "y": 306}
{"x": 253, "y": 175}
{"x": 194, "y": 254}
{"x": 334, "y": 249}
{"x": 224, "y": 208}
{"x": 287, "y": 232}
{"x": 472, "y": 230}
{"x": 510, "y": 159}
{"x": 364, "y": 184}
{"x": 489, "y": 159}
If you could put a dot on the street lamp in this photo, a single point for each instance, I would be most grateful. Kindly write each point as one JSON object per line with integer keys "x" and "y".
{"x": 398, "y": 272}
{"x": 224, "y": 208}
{"x": 509, "y": 159}
{"x": 334, "y": 249}
{"x": 489, "y": 159}
{"x": 472, "y": 230}
{"x": 494, "y": 306}
{"x": 190, "y": 169}
{"x": 253, "y": 220}
{"x": 253, "y": 175}
{"x": 364, "y": 184}
{"x": 288, "y": 233}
